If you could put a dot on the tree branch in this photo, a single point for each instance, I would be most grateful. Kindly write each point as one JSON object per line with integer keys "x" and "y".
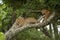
{"x": 16, "y": 28}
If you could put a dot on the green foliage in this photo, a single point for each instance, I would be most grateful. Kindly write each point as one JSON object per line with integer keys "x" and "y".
{"x": 30, "y": 34}
{"x": 2, "y": 36}
{"x": 50, "y": 4}
{"x": 14, "y": 3}
{"x": 2, "y": 12}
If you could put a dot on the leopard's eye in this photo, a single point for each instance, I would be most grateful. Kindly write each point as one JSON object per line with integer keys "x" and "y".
{"x": 17, "y": 23}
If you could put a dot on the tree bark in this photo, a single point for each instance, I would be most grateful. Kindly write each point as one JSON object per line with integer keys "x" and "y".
{"x": 51, "y": 31}
{"x": 55, "y": 30}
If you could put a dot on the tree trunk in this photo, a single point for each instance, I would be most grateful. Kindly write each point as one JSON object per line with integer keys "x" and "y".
{"x": 55, "y": 30}
{"x": 51, "y": 31}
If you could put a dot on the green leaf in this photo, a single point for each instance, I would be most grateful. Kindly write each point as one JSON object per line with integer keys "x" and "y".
{"x": 2, "y": 36}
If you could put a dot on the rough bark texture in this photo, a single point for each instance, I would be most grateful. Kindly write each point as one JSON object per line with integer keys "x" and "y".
{"x": 55, "y": 29}
{"x": 16, "y": 28}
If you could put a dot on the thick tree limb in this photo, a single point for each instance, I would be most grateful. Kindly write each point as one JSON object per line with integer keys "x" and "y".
{"x": 16, "y": 28}
{"x": 45, "y": 31}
